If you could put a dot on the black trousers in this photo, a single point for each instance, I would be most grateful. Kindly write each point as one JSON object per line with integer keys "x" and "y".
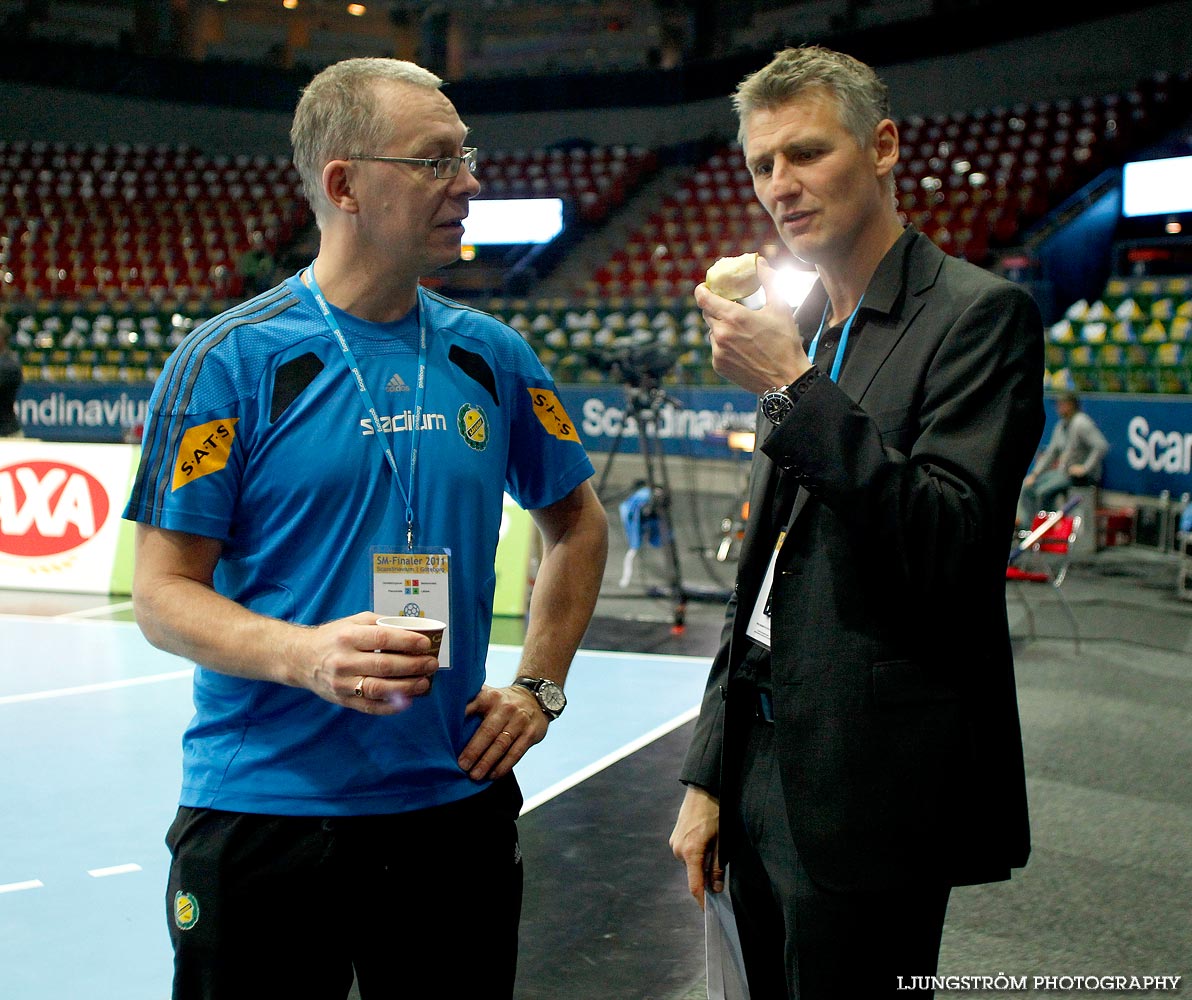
{"x": 417, "y": 904}
{"x": 801, "y": 940}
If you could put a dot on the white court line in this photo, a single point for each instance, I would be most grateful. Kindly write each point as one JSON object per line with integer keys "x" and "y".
{"x": 33, "y": 883}
{"x": 559, "y": 787}
{"x": 66, "y": 618}
{"x": 615, "y": 654}
{"x": 114, "y": 870}
{"x": 173, "y": 675}
{"x": 95, "y": 612}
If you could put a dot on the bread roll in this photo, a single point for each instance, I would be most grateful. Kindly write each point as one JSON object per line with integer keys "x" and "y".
{"x": 734, "y": 277}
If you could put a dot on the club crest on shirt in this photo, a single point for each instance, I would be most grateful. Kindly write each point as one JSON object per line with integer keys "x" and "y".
{"x": 186, "y": 910}
{"x": 204, "y": 449}
{"x": 552, "y": 416}
{"x": 473, "y": 426}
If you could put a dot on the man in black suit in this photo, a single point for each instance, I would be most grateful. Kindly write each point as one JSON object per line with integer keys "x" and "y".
{"x": 858, "y": 751}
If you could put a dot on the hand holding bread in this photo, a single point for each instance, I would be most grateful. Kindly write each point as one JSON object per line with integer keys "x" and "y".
{"x": 755, "y": 348}
{"x": 734, "y": 278}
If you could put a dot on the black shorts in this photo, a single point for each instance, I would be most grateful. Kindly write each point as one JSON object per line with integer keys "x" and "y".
{"x": 420, "y": 904}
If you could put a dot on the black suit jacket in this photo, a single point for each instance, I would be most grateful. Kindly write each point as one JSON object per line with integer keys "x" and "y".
{"x": 896, "y": 714}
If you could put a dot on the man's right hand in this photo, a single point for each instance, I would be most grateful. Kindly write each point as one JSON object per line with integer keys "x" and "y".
{"x": 359, "y": 664}
{"x": 180, "y": 611}
{"x": 695, "y": 841}
{"x": 755, "y": 349}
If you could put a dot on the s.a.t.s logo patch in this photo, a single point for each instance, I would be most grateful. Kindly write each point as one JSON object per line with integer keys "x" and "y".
{"x": 552, "y": 416}
{"x": 473, "y": 426}
{"x": 204, "y": 450}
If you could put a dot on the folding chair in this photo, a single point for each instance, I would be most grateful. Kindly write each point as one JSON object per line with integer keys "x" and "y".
{"x": 1043, "y": 555}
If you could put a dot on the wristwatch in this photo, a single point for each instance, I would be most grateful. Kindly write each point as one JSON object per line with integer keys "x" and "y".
{"x": 550, "y": 696}
{"x": 778, "y": 402}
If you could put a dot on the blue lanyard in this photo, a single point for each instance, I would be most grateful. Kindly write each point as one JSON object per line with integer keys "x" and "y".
{"x": 370, "y": 406}
{"x": 848, "y": 325}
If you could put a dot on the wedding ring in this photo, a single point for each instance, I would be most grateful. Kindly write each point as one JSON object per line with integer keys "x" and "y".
{"x": 358, "y": 690}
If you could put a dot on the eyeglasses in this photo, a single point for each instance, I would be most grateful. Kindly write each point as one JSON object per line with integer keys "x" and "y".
{"x": 444, "y": 166}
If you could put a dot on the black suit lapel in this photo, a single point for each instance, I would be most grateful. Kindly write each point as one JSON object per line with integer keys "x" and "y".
{"x": 882, "y": 334}
{"x": 884, "y": 329}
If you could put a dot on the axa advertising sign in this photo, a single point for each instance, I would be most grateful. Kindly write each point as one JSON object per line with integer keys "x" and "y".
{"x": 48, "y": 508}
{"x": 60, "y": 506}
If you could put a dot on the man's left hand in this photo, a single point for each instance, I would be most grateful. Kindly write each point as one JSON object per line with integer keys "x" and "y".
{"x": 512, "y": 722}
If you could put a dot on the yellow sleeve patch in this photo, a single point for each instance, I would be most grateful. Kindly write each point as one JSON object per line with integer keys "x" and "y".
{"x": 204, "y": 450}
{"x": 551, "y": 414}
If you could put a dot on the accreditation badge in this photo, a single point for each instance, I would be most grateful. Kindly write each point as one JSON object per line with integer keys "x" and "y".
{"x": 417, "y": 584}
{"x": 759, "y": 622}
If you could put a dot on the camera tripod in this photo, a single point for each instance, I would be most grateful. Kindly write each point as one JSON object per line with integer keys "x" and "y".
{"x": 644, "y": 403}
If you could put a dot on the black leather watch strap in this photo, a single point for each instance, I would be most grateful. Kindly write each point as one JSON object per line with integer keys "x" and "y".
{"x": 548, "y": 694}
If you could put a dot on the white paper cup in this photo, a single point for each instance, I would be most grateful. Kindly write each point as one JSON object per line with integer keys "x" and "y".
{"x": 432, "y": 628}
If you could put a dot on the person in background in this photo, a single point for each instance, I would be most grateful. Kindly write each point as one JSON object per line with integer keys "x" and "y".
{"x": 256, "y": 265}
{"x": 1072, "y": 458}
{"x": 11, "y": 378}
{"x": 858, "y": 750}
{"x": 336, "y": 449}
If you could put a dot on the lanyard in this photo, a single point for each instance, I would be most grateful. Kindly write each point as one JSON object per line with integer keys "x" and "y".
{"x": 848, "y": 325}
{"x": 370, "y": 406}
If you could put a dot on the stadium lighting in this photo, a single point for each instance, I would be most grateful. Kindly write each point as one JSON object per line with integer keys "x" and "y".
{"x": 510, "y": 221}
{"x": 795, "y": 284}
{"x": 1157, "y": 187}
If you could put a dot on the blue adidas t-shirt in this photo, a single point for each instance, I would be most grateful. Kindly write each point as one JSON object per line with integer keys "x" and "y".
{"x": 258, "y": 436}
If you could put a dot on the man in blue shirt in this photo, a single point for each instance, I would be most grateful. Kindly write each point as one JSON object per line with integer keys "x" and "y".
{"x": 340, "y": 813}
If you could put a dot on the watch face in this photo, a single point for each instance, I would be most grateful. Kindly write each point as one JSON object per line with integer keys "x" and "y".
{"x": 776, "y": 405}
{"x": 552, "y": 696}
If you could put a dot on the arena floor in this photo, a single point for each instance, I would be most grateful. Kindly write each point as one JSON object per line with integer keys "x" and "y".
{"x": 90, "y": 718}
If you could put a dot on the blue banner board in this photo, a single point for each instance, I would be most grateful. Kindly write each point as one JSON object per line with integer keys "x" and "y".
{"x": 101, "y": 412}
{"x": 687, "y": 421}
{"x": 1150, "y": 437}
{"x": 1150, "y": 441}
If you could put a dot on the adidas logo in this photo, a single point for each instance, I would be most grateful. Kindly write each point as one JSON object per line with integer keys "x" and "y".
{"x": 396, "y": 384}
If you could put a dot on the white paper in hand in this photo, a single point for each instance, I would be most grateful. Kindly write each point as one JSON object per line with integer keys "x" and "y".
{"x": 726, "y": 966}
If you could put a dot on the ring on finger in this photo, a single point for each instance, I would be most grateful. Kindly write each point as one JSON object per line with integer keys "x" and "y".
{"x": 358, "y": 690}
{"x": 506, "y": 732}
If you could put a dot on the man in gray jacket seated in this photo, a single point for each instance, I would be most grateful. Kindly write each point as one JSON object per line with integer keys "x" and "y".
{"x": 1072, "y": 458}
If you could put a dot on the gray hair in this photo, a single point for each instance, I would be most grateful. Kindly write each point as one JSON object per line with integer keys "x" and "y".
{"x": 338, "y": 115}
{"x": 861, "y": 97}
